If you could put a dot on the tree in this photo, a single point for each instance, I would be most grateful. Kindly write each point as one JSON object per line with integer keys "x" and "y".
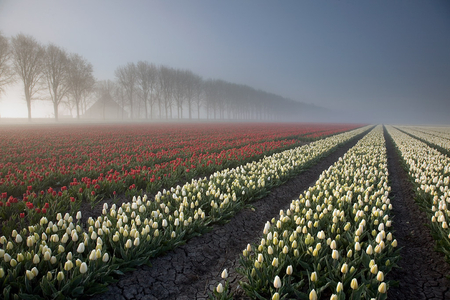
{"x": 179, "y": 89}
{"x": 192, "y": 87}
{"x": 6, "y": 72}
{"x": 56, "y": 73}
{"x": 127, "y": 78}
{"x": 81, "y": 80}
{"x": 166, "y": 84}
{"x": 147, "y": 76}
{"x": 28, "y": 56}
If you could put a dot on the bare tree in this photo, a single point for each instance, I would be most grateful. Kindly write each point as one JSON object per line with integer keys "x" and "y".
{"x": 147, "y": 75}
{"x": 166, "y": 84}
{"x": 81, "y": 81}
{"x": 191, "y": 87}
{"x": 199, "y": 95}
{"x": 6, "y": 72}
{"x": 179, "y": 90}
{"x": 56, "y": 74}
{"x": 127, "y": 78}
{"x": 120, "y": 94}
{"x": 28, "y": 56}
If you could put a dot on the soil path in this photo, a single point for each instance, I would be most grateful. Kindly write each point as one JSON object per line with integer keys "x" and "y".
{"x": 190, "y": 271}
{"x": 422, "y": 271}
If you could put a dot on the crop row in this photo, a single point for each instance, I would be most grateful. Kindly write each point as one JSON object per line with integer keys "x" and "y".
{"x": 55, "y": 170}
{"x": 333, "y": 241}
{"x": 434, "y": 139}
{"x": 65, "y": 258}
{"x": 429, "y": 171}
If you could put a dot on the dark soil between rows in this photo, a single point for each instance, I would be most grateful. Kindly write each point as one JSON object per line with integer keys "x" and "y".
{"x": 192, "y": 270}
{"x": 422, "y": 271}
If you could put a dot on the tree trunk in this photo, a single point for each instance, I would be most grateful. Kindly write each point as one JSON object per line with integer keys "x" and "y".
{"x": 55, "y": 110}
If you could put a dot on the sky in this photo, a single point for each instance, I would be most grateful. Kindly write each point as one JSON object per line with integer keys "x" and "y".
{"x": 374, "y": 61}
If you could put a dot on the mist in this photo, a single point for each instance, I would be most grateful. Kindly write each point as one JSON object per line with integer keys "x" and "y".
{"x": 256, "y": 61}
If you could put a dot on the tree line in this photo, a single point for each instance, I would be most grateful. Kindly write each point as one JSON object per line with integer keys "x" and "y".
{"x": 142, "y": 90}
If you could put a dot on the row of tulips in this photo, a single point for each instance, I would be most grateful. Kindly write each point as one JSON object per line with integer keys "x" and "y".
{"x": 430, "y": 137}
{"x": 334, "y": 242}
{"x": 66, "y": 258}
{"x": 429, "y": 170}
{"x": 92, "y": 166}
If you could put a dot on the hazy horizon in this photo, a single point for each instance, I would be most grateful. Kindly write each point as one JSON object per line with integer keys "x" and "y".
{"x": 372, "y": 62}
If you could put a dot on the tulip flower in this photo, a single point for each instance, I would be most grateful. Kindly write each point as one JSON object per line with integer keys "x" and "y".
{"x": 219, "y": 288}
{"x": 354, "y": 284}
{"x": 289, "y": 270}
{"x": 382, "y": 288}
{"x": 313, "y": 295}
{"x": 277, "y": 282}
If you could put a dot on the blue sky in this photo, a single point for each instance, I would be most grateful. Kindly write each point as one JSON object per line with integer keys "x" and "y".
{"x": 380, "y": 61}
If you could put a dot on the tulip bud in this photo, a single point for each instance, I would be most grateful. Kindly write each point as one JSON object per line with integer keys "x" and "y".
{"x": 60, "y": 276}
{"x": 344, "y": 268}
{"x": 275, "y": 262}
{"x": 29, "y": 275}
{"x": 277, "y": 282}
{"x": 83, "y": 268}
{"x": 36, "y": 259}
{"x": 224, "y": 274}
{"x": 68, "y": 265}
{"x": 374, "y": 269}
{"x": 18, "y": 238}
{"x": 313, "y": 295}
{"x": 289, "y": 270}
{"x": 380, "y": 276}
{"x": 276, "y": 296}
{"x": 81, "y": 248}
{"x": 105, "y": 257}
{"x": 382, "y": 288}
{"x": 335, "y": 254}
{"x": 354, "y": 284}
{"x": 313, "y": 276}
{"x": 339, "y": 287}
{"x": 219, "y": 288}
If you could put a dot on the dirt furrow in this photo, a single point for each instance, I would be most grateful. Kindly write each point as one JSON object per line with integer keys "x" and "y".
{"x": 190, "y": 271}
{"x": 422, "y": 271}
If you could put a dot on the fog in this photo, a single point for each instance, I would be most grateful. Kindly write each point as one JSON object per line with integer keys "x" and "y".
{"x": 294, "y": 61}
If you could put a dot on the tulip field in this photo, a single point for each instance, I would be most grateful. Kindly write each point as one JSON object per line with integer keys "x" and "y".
{"x": 155, "y": 186}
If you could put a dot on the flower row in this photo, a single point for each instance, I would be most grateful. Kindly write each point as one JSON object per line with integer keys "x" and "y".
{"x": 65, "y": 257}
{"x": 428, "y": 136}
{"x": 429, "y": 171}
{"x": 334, "y": 240}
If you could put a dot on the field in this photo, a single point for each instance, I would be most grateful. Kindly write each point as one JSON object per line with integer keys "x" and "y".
{"x": 313, "y": 211}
